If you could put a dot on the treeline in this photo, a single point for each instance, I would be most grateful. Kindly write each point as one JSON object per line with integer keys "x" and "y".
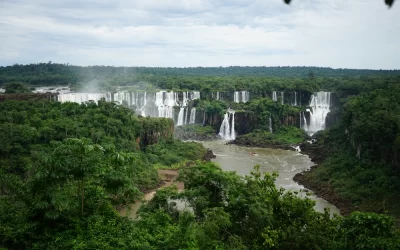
{"x": 217, "y": 78}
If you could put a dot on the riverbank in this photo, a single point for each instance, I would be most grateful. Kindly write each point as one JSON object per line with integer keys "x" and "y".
{"x": 324, "y": 191}
{"x": 304, "y": 178}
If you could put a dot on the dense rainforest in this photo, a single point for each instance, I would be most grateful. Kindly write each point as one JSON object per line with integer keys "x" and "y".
{"x": 66, "y": 167}
{"x": 217, "y": 78}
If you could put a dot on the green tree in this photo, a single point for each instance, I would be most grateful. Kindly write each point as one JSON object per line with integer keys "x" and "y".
{"x": 16, "y": 88}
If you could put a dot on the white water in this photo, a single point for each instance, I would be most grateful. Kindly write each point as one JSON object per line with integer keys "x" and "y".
{"x": 274, "y": 96}
{"x": 282, "y": 96}
{"x": 233, "y": 134}
{"x": 320, "y": 104}
{"x": 83, "y": 97}
{"x": 236, "y": 96}
{"x": 186, "y": 117}
{"x": 241, "y": 96}
{"x": 180, "y": 116}
{"x": 295, "y": 99}
{"x": 192, "y": 116}
{"x": 305, "y": 126}
{"x": 270, "y": 124}
{"x": 226, "y": 131}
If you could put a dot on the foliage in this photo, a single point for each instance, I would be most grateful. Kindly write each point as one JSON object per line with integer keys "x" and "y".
{"x": 173, "y": 151}
{"x": 286, "y": 137}
{"x": 16, "y": 88}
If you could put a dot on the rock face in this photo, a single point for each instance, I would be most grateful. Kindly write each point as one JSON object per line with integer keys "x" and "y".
{"x": 183, "y": 133}
{"x": 154, "y": 129}
{"x": 209, "y": 155}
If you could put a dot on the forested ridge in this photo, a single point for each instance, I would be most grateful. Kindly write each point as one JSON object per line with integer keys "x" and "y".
{"x": 66, "y": 167}
{"x": 235, "y": 77}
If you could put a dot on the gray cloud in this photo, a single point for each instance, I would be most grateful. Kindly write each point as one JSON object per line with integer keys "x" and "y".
{"x": 335, "y": 33}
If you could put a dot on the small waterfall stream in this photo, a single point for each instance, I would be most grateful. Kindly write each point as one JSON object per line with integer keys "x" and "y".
{"x": 270, "y": 124}
{"x": 192, "y": 118}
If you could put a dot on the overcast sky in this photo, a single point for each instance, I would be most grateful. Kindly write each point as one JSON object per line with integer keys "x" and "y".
{"x": 183, "y": 33}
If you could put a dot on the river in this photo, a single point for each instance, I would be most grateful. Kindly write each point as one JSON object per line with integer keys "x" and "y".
{"x": 286, "y": 163}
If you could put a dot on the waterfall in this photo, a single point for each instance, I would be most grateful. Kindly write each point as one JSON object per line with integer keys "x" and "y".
{"x": 245, "y": 96}
{"x": 195, "y": 95}
{"x": 236, "y": 97}
{"x": 180, "y": 116}
{"x": 274, "y": 96}
{"x": 204, "y": 118}
{"x": 300, "y": 121}
{"x": 305, "y": 126}
{"x": 226, "y": 131}
{"x": 233, "y": 135}
{"x": 217, "y": 96}
{"x": 83, "y": 97}
{"x": 270, "y": 124}
{"x": 186, "y": 117}
{"x": 282, "y": 96}
{"x": 241, "y": 96}
{"x": 320, "y": 104}
{"x": 155, "y": 104}
{"x": 192, "y": 116}
{"x": 295, "y": 99}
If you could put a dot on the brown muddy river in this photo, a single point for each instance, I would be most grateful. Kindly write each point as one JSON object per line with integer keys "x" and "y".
{"x": 285, "y": 163}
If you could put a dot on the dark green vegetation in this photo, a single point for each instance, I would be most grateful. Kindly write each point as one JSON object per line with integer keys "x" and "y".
{"x": 65, "y": 167}
{"x": 16, "y": 88}
{"x": 360, "y": 157}
{"x": 287, "y": 137}
{"x": 217, "y": 78}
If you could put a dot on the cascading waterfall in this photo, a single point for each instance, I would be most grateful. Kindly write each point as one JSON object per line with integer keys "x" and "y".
{"x": 195, "y": 95}
{"x": 245, "y": 96}
{"x": 192, "y": 116}
{"x": 180, "y": 116}
{"x": 270, "y": 124}
{"x": 158, "y": 104}
{"x": 236, "y": 97}
{"x": 274, "y": 96}
{"x": 241, "y": 96}
{"x": 320, "y": 104}
{"x": 226, "y": 131}
{"x": 204, "y": 118}
{"x": 295, "y": 99}
{"x": 83, "y": 97}
{"x": 304, "y": 120}
{"x": 186, "y": 117}
{"x": 282, "y": 96}
{"x": 233, "y": 134}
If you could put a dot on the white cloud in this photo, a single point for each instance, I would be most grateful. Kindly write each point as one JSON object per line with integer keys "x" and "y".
{"x": 335, "y": 33}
